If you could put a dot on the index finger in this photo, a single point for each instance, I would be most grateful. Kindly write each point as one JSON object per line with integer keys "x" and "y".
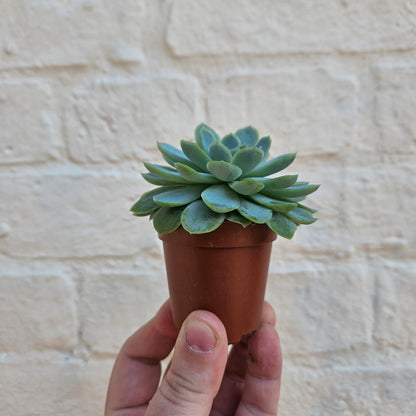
{"x": 137, "y": 369}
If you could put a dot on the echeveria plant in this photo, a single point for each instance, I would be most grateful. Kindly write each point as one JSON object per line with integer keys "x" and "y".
{"x": 213, "y": 180}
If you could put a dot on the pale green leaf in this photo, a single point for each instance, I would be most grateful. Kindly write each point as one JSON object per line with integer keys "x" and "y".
{"x": 231, "y": 141}
{"x": 264, "y": 144}
{"x": 254, "y": 212}
{"x": 173, "y": 155}
{"x": 273, "y": 204}
{"x": 311, "y": 210}
{"x": 248, "y": 135}
{"x": 165, "y": 172}
{"x": 180, "y": 196}
{"x": 247, "y": 159}
{"x": 195, "y": 154}
{"x": 295, "y": 191}
{"x": 156, "y": 180}
{"x": 281, "y": 182}
{"x": 235, "y": 216}
{"x": 273, "y": 166}
{"x": 224, "y": 171}
{"x": 167, "y": 219}
{"x": 218, "y": 151}
{"x": 192, "y": 175}
{"x": 145, "y": 205}
{"x": 197, "y": 218}
{"x": 300, "y": 216}
{"x": 282, "y": 225}
{"x": 205, "y": 136}
{"x": 295, "y": 199}
{"x": 247, "y": 186}
{"x": 220, "y": 198}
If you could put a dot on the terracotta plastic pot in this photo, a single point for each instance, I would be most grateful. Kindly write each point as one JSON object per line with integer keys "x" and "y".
{"x": 224, "y": 271}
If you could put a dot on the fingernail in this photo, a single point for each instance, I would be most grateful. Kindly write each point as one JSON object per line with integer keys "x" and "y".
{"x": 200, "y": 336}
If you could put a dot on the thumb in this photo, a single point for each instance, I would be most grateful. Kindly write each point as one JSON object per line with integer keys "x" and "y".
{"x": 196, "y": 370}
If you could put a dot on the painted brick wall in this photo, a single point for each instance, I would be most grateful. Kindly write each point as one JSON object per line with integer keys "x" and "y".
{"x": 88, "y": 86}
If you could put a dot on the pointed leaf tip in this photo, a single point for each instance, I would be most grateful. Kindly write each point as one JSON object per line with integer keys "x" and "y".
{"x": 205, "y": 136}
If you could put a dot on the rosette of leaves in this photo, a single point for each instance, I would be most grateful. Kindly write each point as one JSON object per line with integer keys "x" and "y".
{"x": 218, "y": 179}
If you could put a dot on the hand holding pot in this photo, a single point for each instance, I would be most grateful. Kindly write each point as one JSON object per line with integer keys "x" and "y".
{"x": 201, "y": 379}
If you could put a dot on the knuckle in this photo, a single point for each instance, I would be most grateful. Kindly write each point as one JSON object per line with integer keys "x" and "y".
{"x": 180, "y": 390}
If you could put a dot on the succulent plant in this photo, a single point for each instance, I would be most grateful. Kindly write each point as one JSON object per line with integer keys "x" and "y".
{"x": 213, "y": 180}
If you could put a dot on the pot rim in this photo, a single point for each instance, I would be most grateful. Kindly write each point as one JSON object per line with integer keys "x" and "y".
{"x": 229, "y": 234}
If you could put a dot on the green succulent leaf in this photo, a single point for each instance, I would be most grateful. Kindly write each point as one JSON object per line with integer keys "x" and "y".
{"x": 218, "y": 151}
{"x": 197, "y": 218}
{"x": 231, "y": 141}
{"x": 273, "y": 166}
{"x": 300, "y": 216}
{"x": 195, "y": 154}
{"x": 220, "y": 198}
{"x": 282, "y": 225}
{"x": 180, "y": 196}
{"x": 281, "y": 182}
{"x": 224, "y": 171}
{"x": 254, "y": 212}
{"x": 247, "y": 186}
{"x": 173, "y": 155}
{"x": 167, "y": 219}
{"x": 264, "y": 144}
{"x": 248, "y": 135}
{"x": 276, "y": 184}
{"x": 294, "y": 191}
{"x": 165, "y": 172}
{"x": 205, "y": 136}
{"x": 235, "y": 216}
{"x": 145, "y": 205}
{"x": 311, "y": 210}
{"x": 192, "y": 175}
{"x": 156, "y": 180}
{"x": 295, "y": 199}
{"x": 273, "y": 204}
{"x": 247, "y": 159}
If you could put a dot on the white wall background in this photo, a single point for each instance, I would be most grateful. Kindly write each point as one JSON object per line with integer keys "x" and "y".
{"x": 86, "y": 89}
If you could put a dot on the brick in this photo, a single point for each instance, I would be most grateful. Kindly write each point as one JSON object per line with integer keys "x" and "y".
{"x": 379, "y": 208}
{"x": 117, "y": 120}
{"x": 395, "y": 308}
{"x": 322, "y": 307}
{"x": 27, "y": 302}
{"x": 29, "y": 132}
{"x": 74, "y": 214}
{"x": 381, "y": 391}
{"x": 54, "y": 33}
{"x": 114, "y": 305}
{"x": 393, "y": 115}
{"x": 307, "y": 110}
{"x": 270, "y": 27}
{"x": 51, "y": 386}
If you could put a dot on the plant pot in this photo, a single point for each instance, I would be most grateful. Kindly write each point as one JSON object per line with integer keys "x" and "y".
{"x": 224, "y": 272}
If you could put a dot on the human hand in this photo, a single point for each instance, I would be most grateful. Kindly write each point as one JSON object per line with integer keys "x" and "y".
{"x": 199, "y": 380}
